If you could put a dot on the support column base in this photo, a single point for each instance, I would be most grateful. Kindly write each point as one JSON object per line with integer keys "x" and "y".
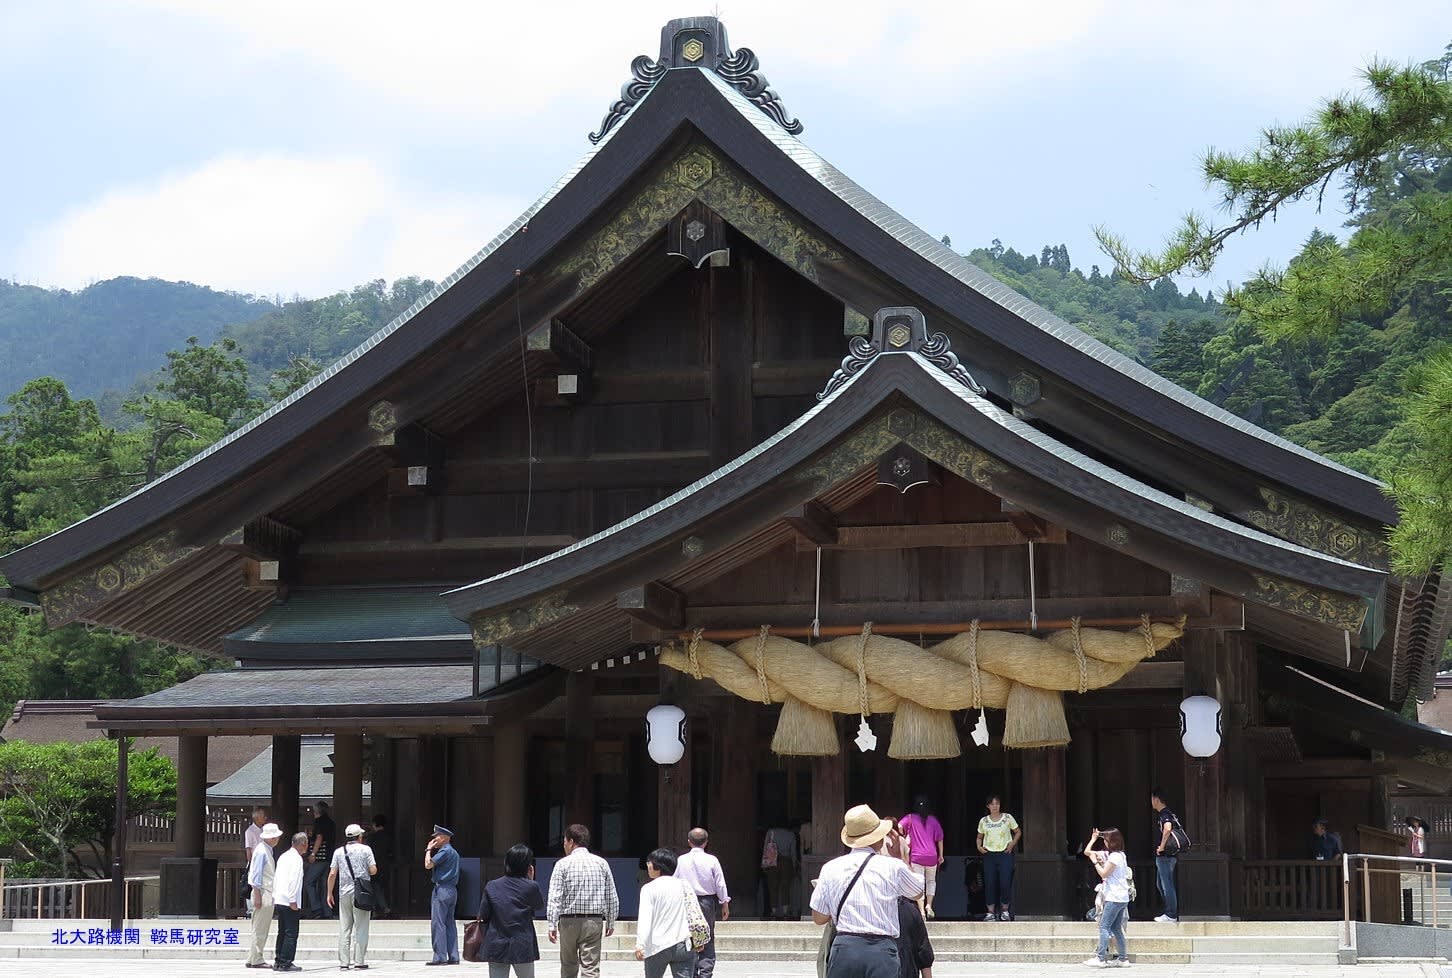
{"x": 188, "y": 887}
{"x": 1204, "y": 885}
{"x": 1041, "y": 887}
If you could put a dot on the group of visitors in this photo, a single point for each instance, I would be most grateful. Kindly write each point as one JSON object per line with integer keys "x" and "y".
{"x": 286, "y": 887}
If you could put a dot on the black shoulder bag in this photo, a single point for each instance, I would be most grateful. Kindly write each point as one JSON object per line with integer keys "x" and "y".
{"x": 362, "y": 889}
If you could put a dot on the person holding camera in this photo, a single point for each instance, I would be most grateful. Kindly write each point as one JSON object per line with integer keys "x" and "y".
{"x": 1113, "y": 869}
{"x": 442, "y": 860}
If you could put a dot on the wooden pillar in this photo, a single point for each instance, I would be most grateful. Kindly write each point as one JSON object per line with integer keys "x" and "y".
{"x": 348, "y": 778}
{"x": 1041, "y": 884}
{"x": 580, "y": 749}
{"x": 829, "y": 803}
{"x": 510, "y": 744}
{"x": 384, "y": 784}
{"x": 1204, "y": 872}
{"x": 731, "y": 804}
{"x": 1081, "y": 775}
{"x": 286, "y": 771}
{"x": 191, "y": 797}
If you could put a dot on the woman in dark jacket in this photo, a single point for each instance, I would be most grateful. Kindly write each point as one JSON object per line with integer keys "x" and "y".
{"x": 507, "y": 910}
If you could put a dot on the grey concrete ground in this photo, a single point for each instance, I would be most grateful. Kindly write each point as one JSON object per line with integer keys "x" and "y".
{"x": 81, "y": 965}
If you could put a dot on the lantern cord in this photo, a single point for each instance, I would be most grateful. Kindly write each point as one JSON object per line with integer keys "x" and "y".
{"x": 817, "y": 608}
{"x": 691, "y": 653}
{"x": 1079, "y": 654}
{"x": 761, "y": 663}
{"x": 862, "y": 669}
{"x": 1033, "y": 593}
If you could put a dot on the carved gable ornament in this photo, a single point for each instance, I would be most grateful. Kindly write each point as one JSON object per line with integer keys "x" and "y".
{"x": 698, "y": 42}
{"x": 900, "y": 329}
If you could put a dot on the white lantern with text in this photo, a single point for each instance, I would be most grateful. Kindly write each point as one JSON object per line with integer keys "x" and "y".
{"x": 665, "y": 734}
{"x": 1200, "y": 726}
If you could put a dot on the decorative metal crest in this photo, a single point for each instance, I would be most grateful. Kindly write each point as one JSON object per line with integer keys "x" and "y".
{"x": 900, "y": 329}
{"x": 699, "y": 42}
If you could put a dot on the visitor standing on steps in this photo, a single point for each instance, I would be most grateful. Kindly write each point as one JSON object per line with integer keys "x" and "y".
{"x": 925, "y": 837}
{"x": 998, "y": 835}
{"x": 1113, "y": 868}
{"x": 1170, "y": 839}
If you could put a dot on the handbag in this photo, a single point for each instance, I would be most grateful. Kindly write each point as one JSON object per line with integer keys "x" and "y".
{"x": 363, "y": 898}
{"x": 696, "y": 921}
{"x": 474, "y": 941}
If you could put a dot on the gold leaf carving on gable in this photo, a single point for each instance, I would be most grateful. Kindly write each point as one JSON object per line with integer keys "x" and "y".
{"x": 1301, "y": 523}
{"x": 79, "y": 595}
{"x": 1327, "y": 607}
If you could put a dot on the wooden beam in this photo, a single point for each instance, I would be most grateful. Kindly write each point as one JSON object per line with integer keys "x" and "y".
{"x": 654, "y": 604}
{"x": 1334, "y": 767}
{"x": 814, "y": 523}
{"x": 624, "y": 470}
{"x": 1031, "y": 526}
{"x": 913, "y": 536}
{"x": 555, "y": 342}
{"x": 535, "y": 542}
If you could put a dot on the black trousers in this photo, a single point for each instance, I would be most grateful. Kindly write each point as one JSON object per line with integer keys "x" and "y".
{"x": 861, "y": 956}
{"x": 287, "y": 927}
{"x": 706, "y": 960}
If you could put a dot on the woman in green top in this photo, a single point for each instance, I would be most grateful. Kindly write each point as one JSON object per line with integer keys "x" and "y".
{"x": 998, "y": 835}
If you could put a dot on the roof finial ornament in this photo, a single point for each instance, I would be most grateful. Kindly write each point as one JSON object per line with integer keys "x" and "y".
{"x": 698, "y": 42}
{"x": 900, "y": 329}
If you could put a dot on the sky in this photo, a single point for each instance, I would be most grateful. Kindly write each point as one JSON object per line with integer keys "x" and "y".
{"x": 299, "y": 147}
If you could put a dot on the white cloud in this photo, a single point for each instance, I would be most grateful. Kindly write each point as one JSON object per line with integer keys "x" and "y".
{"x": 268, "y": 224}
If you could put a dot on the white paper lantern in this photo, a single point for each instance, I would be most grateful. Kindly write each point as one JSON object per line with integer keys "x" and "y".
{"x": 1200, "y": 726}
{"x": 665, "y": 733}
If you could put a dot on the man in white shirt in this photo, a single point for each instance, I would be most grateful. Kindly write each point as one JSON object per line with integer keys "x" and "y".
{"x": 253, "y": 834}
{"x": 351, "y": 862}
{"x": 287, "y": 886}
{"x": 701, "y": 871}
{"x": 859, "y": 893}
{"x": 261, "y": 871}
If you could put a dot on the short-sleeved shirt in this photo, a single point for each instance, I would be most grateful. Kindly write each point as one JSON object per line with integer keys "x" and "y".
{"x": 360, "y": 860}
{"x": 251, "y": 837}
{"x": 997, "y": 833}
{"x": 1116, "y": 884}
{"x": 1162, "y": 818}
{"x": 446, "y": 866}
{"x": 924, "y": 833}
{"x": 324, "y": 826}
{"x": 871, "y": 906}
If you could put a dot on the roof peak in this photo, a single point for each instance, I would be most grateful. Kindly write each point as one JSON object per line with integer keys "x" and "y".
{"x": 698, "y": 42}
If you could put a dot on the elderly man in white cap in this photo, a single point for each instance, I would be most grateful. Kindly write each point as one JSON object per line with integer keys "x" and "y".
{"x": 352, "y": 862}
{"x": 858, "y": 893}
{"x": 260, "y": 871}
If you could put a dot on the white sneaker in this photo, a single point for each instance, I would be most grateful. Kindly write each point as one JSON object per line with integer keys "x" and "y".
{"x": 1004, "y": 916}
{"x": 1163, "y": 919}
{"x": 1096, "y": 963}
{"x": 990, "y": 918}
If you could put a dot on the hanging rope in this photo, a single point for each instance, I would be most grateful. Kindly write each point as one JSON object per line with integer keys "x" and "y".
{"x": 1033, "y": 592}
{"x": 691, "y": 653}
{"x": 1079, "y": 654}
{"x": 1147, "y": 629}
{"x": 817, "y": 609}
{"x": 761, "y": 663}
{"x": 862, "y": 668}
{"x": 973, "y": 665}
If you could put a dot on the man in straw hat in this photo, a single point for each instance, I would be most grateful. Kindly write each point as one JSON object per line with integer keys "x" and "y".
{"x": 858, "y": 893}
{"x": 261, "y": 870}
{"x": 442, "y": 860}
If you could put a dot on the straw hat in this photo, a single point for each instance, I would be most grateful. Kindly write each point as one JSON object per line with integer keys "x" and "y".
{"x": 862, "y": 828}
{"x": 271, "y": 831}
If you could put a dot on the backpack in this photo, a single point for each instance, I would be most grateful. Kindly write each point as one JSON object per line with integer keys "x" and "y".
{"x": 769, "y": 852}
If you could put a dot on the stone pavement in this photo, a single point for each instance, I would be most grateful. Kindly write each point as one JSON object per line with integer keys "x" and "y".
{"x": 68, "y": 967}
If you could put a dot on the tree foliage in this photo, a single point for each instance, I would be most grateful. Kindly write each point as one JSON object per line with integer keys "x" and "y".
{"x": 1367, "y": 319}
{"x": 57, "y": 802}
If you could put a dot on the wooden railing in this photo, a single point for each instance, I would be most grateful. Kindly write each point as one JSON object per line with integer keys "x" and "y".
{"x": 154, "y": 829}
{"x": 82, "y": 899}
{"x": 1290, "y": 889}
{"x": 1435, "y": 810}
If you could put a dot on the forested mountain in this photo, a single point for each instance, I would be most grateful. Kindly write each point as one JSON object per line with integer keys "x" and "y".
{"x": 103, "y": 336}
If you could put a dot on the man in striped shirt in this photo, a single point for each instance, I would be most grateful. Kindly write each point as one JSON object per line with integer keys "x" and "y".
{"x": 582, "y": 905}
{"x": 859, "y": 892}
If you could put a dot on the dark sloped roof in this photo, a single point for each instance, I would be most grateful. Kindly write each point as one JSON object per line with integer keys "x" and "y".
{"x": 911, "y": 377}
{"x": 252, "y": 782}
{"x": 805, "y": 183}
{"x": 354, "y": 625}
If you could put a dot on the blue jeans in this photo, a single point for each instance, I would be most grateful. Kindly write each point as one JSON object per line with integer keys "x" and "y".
{"x": 1165, "y": 877}
{"x": 998, "y": 879}
{"x": 443, "y": 928}
{"x": 1111, "y": 923}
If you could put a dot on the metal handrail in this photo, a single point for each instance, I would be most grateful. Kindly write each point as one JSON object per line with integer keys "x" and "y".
{"x": 1366, "y": 871}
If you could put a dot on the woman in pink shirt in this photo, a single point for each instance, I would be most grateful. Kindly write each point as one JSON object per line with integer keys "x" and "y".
{"x": 925, "y": 833}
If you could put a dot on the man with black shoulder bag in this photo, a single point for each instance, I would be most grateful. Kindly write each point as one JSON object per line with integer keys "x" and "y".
{"x": 857, "y": 894}
{"x": 353, "y": 870}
